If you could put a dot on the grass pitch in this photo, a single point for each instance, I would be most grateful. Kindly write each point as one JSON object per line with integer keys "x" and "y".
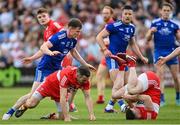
{"x": 169, "y": 114}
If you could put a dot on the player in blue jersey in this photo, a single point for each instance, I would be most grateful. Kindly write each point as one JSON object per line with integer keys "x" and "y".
{"x": 121, "y": 34}
{"x": 165, "y": 32}
{"x": 54, "y": 51}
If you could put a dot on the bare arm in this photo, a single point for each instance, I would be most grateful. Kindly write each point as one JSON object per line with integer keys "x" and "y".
{"x": 163, "y": 60}
{"x": 178, "y": 35}
{"x": 89, "y": 104}
{"x": 77, "y": 56}
{"x": 136, "y": 49}
{"x": 45, "y": 49}
{"x": 150, "y": 33}
{"x": 63, "y": 103}
{"x": 145, "y": 98}
{"x": 104, "y": 33}
{"x": 71, "y": 96}
{"x": 30, "y": 59}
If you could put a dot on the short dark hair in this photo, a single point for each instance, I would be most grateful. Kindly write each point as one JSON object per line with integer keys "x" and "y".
{"x": 168, "y": 5}
{"x": 127, "y": 7}
{"x": 75, "y": 22}
{"x": 84, "y": 70}
{"x": 42, "y": 10}
{"x": 130, "y": 114}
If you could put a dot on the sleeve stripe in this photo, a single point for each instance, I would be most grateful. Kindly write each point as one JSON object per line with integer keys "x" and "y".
{"x": 63, "y": 81}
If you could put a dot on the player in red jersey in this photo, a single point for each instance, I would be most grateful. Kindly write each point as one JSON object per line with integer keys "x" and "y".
{"x": 51, "y": 28}
{"x": 102, "y": 71}
{"x": 57, "y": 85}
{"x": 143, "y": 89}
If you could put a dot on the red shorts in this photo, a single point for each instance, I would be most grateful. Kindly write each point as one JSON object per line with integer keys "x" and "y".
{"x": 103, "y": 61}
{"x": 47, "y": 90}
{"x": 145, "y": 114}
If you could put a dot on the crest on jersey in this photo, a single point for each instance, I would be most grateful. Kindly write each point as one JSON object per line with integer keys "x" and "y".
{"x": 165, "y": 23}
{"x": 61, "y": 36}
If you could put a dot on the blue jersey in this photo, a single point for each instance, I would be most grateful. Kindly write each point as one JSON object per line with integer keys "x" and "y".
{"x": 120, "y": 35}
{"x": 60, "y": 43}
{"x": 165, "y": 36}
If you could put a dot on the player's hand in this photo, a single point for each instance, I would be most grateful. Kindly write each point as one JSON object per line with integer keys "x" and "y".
{"x": 91, "y": 67}
{"x": 145, "y": 60}
{"x": 27, "y": 60}
{"x": 107, "y": 53}
{"x": 54, "y": 53}
{"x": 92, "y": 118}
{"x": 161, "y": 61}
{"x": 153, "y": 29}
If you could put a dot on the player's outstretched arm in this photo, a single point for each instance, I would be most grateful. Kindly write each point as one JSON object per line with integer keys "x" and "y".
{"x": 163, "y": 60}
{"x": 30, "y": 59}
{"x": 89, "y": 104}
{"x": 63, "y": 103}
{"x": 77, "y": 56}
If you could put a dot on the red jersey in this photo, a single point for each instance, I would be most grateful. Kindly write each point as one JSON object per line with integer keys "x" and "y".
{"x": 51, "y": 29}
{"x": 154, "y": 92}
{"x": 66, "y": 78}
{"x": 153, "y": 87}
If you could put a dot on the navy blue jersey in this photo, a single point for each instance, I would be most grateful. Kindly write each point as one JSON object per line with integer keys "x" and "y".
{"x": 60, "y": 43}
{"x": 165, "y": 36}
{"x": 120, "y": 35}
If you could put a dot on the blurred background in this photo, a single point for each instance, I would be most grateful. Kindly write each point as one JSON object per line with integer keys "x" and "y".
{"x": 21, "y": 35}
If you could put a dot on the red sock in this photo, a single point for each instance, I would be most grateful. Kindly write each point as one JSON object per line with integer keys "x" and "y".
{"x": 122, "y": 67}
{"x": 101, "y": 97}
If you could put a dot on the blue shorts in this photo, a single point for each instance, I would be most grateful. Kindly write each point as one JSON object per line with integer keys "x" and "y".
{"x": 158, "y": 53}
{"x": 112, "y": 64}
{"x": 41, "y": 75}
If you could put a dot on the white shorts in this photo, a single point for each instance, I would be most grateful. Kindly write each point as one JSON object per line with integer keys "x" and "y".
{"x": 144, "y": 81}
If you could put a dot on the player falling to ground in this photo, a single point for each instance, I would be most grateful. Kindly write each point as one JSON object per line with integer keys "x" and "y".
{"x": 165, "y": 33}
{"x": 142, "y": 92}
{"x": 55, "y": 49}
{"x": 57, "y": 85}
{"x": 102, "y": 70}
{"x": 121, "y": 33}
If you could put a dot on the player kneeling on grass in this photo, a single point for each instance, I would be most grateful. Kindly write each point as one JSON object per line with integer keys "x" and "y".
{"x": 57, "y": 85}
{"x": 142, "y": 92}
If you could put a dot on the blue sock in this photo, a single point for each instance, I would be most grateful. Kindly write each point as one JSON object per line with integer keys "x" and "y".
{"x": 111, "y": 102}
{"x": 162, "y": 97}
{"x": 120, "y": 102}
{"x": 177, "y": 95}
{"x": 11, "y": 111}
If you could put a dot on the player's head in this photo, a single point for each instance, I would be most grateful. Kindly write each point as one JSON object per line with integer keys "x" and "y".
{"x": 83, "y": 74}
{"x": 166, "y": 10}
{"x": 127, "y": 14}
{"x": 74, "y": 27}
{"x": 131, "y": 114}
{"x": 43, "y": 16}
{"x": 107, "y": 13}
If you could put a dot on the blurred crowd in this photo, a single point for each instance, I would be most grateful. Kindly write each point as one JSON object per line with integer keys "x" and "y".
{"x": 21, "y": 35}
